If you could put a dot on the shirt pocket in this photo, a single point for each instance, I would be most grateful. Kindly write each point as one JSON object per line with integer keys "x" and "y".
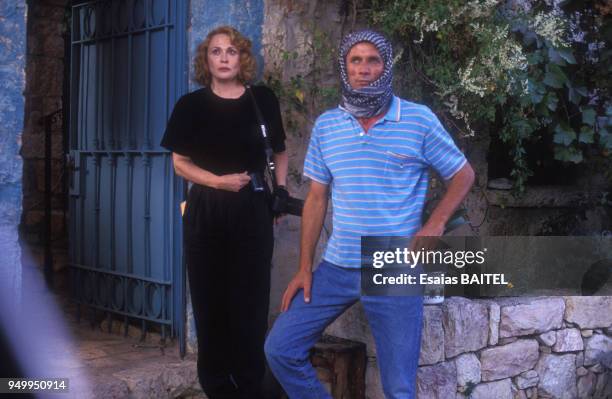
{"x": 401, "y": 165}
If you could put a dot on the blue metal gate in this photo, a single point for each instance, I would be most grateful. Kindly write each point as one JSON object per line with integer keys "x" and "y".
{"x": 128, "y": 67}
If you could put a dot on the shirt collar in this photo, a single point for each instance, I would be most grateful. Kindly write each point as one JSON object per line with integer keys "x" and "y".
{"x": 392, "y": 114}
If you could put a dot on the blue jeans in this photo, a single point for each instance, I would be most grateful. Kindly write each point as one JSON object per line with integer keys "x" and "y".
{"x": 395, "y": 322}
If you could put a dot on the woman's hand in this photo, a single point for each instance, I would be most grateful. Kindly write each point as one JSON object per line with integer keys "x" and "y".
{"x": 232, "y": 182}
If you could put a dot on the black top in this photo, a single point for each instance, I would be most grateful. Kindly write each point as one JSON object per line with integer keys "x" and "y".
{"x": 221, "y": 135}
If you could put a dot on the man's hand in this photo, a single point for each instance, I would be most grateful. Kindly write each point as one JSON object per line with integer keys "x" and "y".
{"x": 313, "y": 215}
{"x": 301, "y": 280}
{"x": 426, "y": 237}
{"x": 458, "y": 188}
{"x": 232, "y": 182}
{"x": 430, "y": 230}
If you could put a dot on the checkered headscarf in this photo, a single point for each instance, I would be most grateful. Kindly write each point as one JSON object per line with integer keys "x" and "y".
{"x": 375, "y": 98}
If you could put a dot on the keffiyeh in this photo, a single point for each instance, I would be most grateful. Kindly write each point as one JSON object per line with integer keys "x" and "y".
{"x": 375, "y": 98}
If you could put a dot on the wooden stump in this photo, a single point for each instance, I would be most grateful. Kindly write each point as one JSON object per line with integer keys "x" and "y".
{"x": 341, "y": 366}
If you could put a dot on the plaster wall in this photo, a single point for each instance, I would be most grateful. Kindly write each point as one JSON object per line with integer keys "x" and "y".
{"x": 13, "y": 15}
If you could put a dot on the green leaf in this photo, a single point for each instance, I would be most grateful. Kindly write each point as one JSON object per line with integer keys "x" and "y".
{"x": 588, "y": 116}
{"x": 605, "y": 138}
{"x": 555, "y": 57}
{"x": 587, "y": 135}
{"x": 574, "y": 96}
{"x": 542, "y": 110}
{"x": 551, "y": 101}
{"x": 536, "y": 91}
{"x": 555, "y": 77}
{"x": 567, "y": 55}
{"x": 568, "y": 154}
{"x": 581, "y": 90}
{"x": 535, "y": 57}
{"x": 564, "y": 134}
{"x": 552, "y": 80}
{"x": 609, "y": 110}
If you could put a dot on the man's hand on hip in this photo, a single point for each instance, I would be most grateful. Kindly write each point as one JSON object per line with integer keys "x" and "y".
{"x": 301, "y": 280}
{"x": 426, "y": 238}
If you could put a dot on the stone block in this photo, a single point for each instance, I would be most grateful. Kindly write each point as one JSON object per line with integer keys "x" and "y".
{"x": 33, "y": 145}
{"x": 548, "y": 338}
{"x": 105, "y": 387}
{"x": 506, "y": 341}
{"x": 520, "y": 394}
{"x": 568, "y": 340}
{"x": 56, "y": 175}
{"x": 468, "y": 369}
{"x": 589, "y": 311}
{"x": 533, "y": 317}
{"x": 557, "y": 376}
{"x": 34, "y": 222}
{"x": 170, "y": 380}
{"x": 579, "y": 359}
{"x": 527, "y": 379}
{"x": 45, "y": 36}
{"x": 437, "y": 382}
{"x": 508, "y": 360}
{"x": 466, "y": 326}
{"x": 432, "y": 336}
{"x": 586, "y": 333}
{"x": 580, "y": 371}
{"x": 597, "y": 348}
{"x": 494, "y": 317}
{"x": 586, "y": 385}
{"x": 47, "y": 77}
{"x": 498, "y": 390}
{"x": 603, "y": 386}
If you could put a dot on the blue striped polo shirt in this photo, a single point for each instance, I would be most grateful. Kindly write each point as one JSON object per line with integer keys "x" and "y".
{"x": 378, "y": 179}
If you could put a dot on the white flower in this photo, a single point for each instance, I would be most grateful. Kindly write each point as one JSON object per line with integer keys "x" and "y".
{"x": 453, "y": 108}
{"x": 551, "y": 27}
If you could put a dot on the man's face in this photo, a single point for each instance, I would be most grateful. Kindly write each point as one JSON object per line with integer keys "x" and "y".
{"x": 363, "y": 65}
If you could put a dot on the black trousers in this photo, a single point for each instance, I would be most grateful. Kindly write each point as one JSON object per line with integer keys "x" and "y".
{"x": 228, "y": 247}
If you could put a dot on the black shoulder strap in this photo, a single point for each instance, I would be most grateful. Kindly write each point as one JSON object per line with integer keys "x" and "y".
{"x": 264, "y": 134}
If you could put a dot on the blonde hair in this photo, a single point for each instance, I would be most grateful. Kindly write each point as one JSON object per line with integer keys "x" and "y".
{"x": 248, "y": 65}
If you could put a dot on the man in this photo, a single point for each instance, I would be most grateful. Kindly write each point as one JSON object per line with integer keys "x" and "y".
{"x": 374, "y": 150}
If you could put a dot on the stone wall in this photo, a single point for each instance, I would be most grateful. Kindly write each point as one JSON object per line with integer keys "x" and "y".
{"x": 290, "y": 26}
{"x": 43, "y": 96}
{"x": 514, "y": 348}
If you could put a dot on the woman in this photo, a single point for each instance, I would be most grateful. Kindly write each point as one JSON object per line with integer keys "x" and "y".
{"x": 215, "y": 144}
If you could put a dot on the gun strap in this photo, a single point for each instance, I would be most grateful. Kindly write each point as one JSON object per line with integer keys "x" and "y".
{"x": 266, "y": 139}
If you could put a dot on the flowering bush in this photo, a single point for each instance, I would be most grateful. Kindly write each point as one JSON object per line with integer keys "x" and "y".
{"x": 523, "y": 70}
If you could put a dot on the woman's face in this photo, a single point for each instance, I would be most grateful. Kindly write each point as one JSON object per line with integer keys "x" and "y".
{"x": 223, "y": 58}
